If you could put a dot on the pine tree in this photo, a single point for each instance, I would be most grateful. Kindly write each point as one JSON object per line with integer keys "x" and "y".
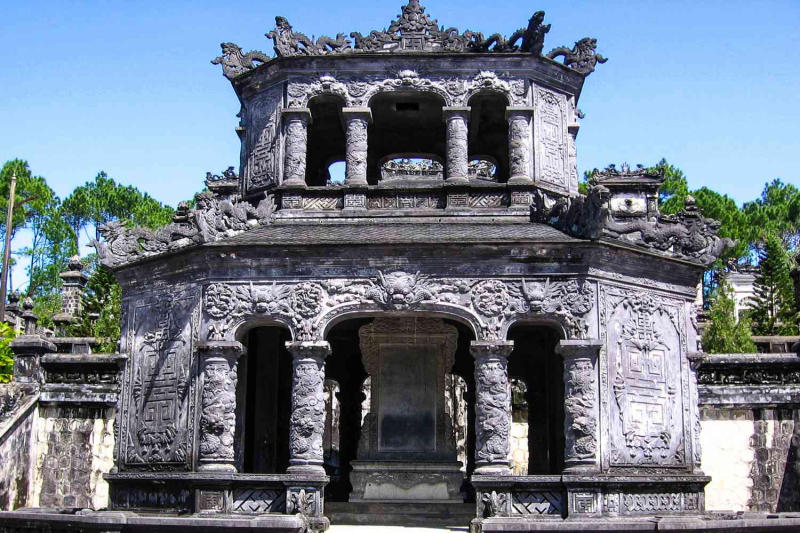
{"x": 725, "y": 334}
{"x": 773, "y": 311}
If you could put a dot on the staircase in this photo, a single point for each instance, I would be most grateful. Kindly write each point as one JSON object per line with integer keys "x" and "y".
{"x": 401, "y": 514}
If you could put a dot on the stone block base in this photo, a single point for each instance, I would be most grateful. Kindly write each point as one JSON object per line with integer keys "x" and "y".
{"x": 395, "y": 481}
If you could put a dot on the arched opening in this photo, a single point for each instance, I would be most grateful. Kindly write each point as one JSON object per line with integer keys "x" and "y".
{"x": 337, "y": 172}
{"x": 400, "y": 378}
{"x": 488, "y": 136}
{"x": 409, "y": 123}
{"x": 326, "y": 138}
{"x": 536, "y": 374}
{"x": 263, "y": 396}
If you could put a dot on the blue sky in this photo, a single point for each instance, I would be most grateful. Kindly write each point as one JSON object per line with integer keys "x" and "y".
{"x": 127, "y": 87}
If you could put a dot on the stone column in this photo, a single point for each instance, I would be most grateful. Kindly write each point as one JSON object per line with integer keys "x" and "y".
{"x": 356, "y": 120}
{"x": 457, "y": 120}
{"x": 520, "y": 144}
{"x": 307, "y": 420}
{"x": 492, "y": 407}
{"x": 219, "y": 360}
{"x": 295, "y": 130}
{"x": 581, "y": 405}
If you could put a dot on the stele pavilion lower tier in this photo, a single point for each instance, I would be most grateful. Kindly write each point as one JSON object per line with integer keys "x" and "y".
{"x": 302, "y": 343}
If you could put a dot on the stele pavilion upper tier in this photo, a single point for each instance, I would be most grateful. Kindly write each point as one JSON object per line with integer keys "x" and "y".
{"x": 305, "y": 344}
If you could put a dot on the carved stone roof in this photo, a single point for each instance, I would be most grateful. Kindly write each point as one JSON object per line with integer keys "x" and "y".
{"x": 414, "y": 31}
{"x": 397, "y": 233}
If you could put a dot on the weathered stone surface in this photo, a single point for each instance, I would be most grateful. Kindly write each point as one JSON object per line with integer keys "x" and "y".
{"x": 17, "y": 418}
{"x": 74, "y": 449}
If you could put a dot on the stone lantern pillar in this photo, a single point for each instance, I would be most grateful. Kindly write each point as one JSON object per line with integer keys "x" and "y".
{"x": 219, "y": 361}
{"x": 307, "y": 420}
{"x": 492, "y": 407}
{"x": 581, "y": 405}
{"x": 457, "y": 121}
{"x": 356, "y": 121}
{"x": 75, "y": 280}
{"x": 29, "y": 348}
{"x": 520, "y": 144}
{"x": 295, "y": 129}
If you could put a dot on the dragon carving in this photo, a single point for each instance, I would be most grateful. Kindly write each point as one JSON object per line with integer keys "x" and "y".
{"x": 291, "y": 43}
{"x": 582, "y": 57}
{"x": 234, "y": 62}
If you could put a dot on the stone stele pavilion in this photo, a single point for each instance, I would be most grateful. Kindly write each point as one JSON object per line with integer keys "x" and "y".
{"x": 301, "y": 349}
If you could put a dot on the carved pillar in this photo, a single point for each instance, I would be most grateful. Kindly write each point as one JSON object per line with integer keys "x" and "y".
{"x": 457, "y": 120}
{"x": 219, "y": 360}
{"x": 307, "y": 420}
{"x": 295, "y": 130}
{"x": 356, "y": 121}
{"x": 492, "y": 407}
{"x": 520, "y": 144}
{"x": 581, "y": 404}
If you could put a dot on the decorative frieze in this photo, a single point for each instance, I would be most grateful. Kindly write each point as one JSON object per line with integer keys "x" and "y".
{"x": 491, "y": 305}
{"x": 357, "y": 91}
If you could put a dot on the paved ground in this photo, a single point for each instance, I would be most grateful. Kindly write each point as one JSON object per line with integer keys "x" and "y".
{"x": 393, "y": 529}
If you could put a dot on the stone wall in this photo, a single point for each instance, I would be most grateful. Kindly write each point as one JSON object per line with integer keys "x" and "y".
{"x": 519, "y": 448}
{"x": 728, "y": 457}
{"x": 752, "y": 458}
{"x": 74, "y": 448}
{"x": 17, "y": 417}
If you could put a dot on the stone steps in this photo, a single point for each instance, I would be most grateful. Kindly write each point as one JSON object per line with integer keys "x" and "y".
{"x": 420, "y": 513}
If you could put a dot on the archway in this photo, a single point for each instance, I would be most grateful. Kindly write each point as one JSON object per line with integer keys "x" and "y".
{"x": 536, "y": 374}
{"x": 404, "y": 122}
{"x": 358, "y": 423}
{"x": 263, "y": 399}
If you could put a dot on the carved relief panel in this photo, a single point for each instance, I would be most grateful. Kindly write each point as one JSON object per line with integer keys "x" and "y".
{"x": 551, "y": 141}
{"x": 262, "y": 147}
{"x": 156, "y": 423}
{"x": 644, "y": 378}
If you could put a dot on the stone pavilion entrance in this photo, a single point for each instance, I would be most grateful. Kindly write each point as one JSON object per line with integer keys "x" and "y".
{"x": 407, "y": 450}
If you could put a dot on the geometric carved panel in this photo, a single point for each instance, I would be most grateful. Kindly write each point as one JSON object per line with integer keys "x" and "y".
{"x": 262, "y": 142}
{"x": 538, "y": 503}
{"x": 259, "y": 501}
{"x": 644, "y": 375}
{"x": 551, "y": 141}
{"x": 158, "y": 418}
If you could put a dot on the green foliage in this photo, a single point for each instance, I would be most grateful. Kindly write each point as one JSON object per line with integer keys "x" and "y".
{"x": 46, "y": 306}
{"x": 772, "y": 306}
{"x": 734, "y": 222}
{"x": 31, "y": 194}
{"x": 725, "y": 334}
{"x": 776, "y": 212}
{"x": 103, "y": 200}
{"x": 7, "y": 334}
{"x": 674, "y": 189}
{"x": 102, "y": 309}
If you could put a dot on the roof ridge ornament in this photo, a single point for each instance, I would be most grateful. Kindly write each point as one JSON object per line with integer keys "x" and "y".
{"x": 582, "y": 57}
{"x": 413, "y": 30}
